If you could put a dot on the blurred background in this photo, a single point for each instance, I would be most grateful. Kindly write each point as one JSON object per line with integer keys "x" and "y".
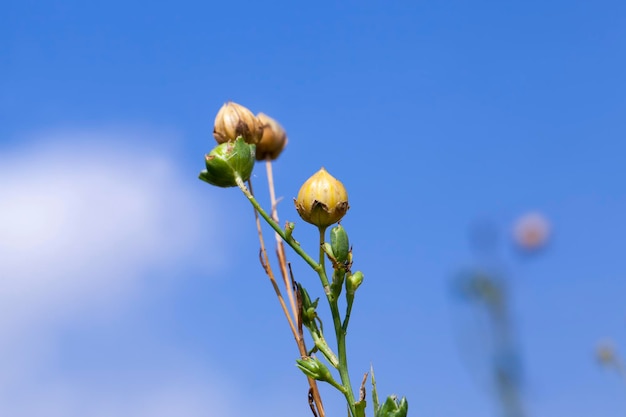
{"x": 130, "y": 288}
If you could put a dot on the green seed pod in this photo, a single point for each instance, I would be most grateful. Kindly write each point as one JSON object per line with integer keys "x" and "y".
{"x": 353, "y": 282}
{"x": 339, "y": 243}
{"x": 393, "y": 408}
{"x": 227, "y": 162}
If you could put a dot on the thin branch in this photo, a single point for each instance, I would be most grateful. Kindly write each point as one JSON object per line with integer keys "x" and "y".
{"x": 268, "y": 270}
{"x": 288, "y": 279}
{"x": 280, "y": 248}
{"x": 313, "y": 389}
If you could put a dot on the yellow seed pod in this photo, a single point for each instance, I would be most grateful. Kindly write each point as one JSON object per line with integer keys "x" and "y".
{"x": 322, "y": 200}
{"x": 234, "y": 120}
{"x": 273, "y": 140}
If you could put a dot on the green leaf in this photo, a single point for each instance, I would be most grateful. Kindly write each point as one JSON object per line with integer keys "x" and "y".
{"x": 393, "y": 408}
{"x": 374, "y": 393}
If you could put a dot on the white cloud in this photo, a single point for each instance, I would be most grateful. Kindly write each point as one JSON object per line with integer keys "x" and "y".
{"x": 86, "y": 222}
{"x": 174, "y": 395}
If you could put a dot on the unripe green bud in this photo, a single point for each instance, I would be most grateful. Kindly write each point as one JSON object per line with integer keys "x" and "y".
{"x": 322, "y": 200}
{"x": 306, "y": 300}
{"x": 308, "y": 316}
{"x": 315, "y": 369}
{"x": 273, "y": 140}
{"x": 308, "y": 307}
{"x": 234, "y": 120}
{"x": 328, "y": 250}
{"x": 353, "y": 281}
{"x": 340, "y": 244}
{"x": 289, "y": 229}
{"x": 393, "y": 408}
{"x": 228, "y": 161}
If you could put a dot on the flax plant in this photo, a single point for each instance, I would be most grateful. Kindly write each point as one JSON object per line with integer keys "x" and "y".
{"x": 322, "y": 201}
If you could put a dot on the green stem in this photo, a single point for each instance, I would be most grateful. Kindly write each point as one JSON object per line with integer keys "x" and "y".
{"x": 323, "y": 347}
{"x": 343, "y": 357}
{"x": 322, "y": 258}
{"x": 346, "y": 319}
{"x": 322, "y": 263}
{"x": 340, "y": 333}
{"x": 290, "y": 241}
{"x": 320, "y": 268}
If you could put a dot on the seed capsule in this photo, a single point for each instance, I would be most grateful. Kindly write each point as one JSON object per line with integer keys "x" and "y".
{"x": 322, "y": 200}
{"x": 228, "y": 161}
{"x": 273, "y": 140}
{"x": 234, "y": 120}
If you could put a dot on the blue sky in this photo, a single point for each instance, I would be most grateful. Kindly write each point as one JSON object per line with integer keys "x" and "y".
{"x": 131, "y": 288}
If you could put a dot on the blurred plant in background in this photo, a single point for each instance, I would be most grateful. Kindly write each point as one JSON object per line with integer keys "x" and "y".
{"x": 322, "y": 201}
{"x": 608, "y": 357}
{"x": 484, "y": 288}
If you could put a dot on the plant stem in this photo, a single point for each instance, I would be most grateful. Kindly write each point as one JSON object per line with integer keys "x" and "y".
{"x": 268, "y": 269}
{"x": 282, "y": 262}
{"x": 320, "y": 268}
{"x": 295, "y": 246}
{"x": 340, "y": 333}
{"x": 280, "y": 248}
{"x": 346, "y": 319}
{"x": 343, "y": 358}
{"x": 297, "y": 334}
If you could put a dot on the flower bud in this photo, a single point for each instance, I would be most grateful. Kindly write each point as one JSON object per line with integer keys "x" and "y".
{"x": 340, "y": 244}
{"x": 353, "y": 282}
{"x": 234, "y": 120}
{"x": 328, "y": 250}
{"x": 273, "y": 140}
{"x": 322, "y": 200}
{"x": 312, "y": 367}
{"x": 307, "y": 306}
{"x": 289, "y": 226}
{"x": 227, "y": 162}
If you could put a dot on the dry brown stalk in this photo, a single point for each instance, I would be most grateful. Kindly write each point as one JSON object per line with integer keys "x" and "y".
{"x": 313, "y": 393}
